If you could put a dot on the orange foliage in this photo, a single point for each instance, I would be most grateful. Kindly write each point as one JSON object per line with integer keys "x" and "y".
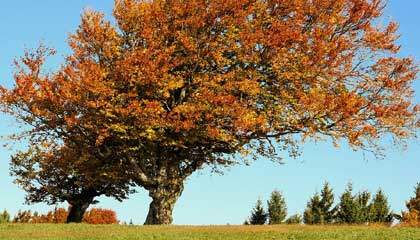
{"x": 177, "y": 85}
{"x": 411, "y": 218}
{"x": 59, "y": 215}
{"x": 100, "y": 216}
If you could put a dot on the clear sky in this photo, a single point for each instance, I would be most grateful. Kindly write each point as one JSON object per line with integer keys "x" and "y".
{"x": 209, "y": 198}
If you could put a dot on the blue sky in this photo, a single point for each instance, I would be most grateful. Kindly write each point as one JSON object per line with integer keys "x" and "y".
{"x": 209, "y": 198}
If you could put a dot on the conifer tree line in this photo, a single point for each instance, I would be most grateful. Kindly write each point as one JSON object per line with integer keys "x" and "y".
{"x": 351, "y": 208}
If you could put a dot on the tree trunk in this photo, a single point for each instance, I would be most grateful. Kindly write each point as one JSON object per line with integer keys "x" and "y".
{"x": 163, "y": 202}
{"x": 76, "y": 212}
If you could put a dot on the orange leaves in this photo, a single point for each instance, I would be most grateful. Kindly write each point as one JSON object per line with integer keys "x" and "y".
{"x": 218, "y": 76}
{"x": 100, "y": 216}
{"x": 95, "y": 34}
{"x": 378, "y": 39}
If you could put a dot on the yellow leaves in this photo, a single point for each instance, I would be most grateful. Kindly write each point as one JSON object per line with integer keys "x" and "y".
{"x": 118, "y": 128}
{"x": 149, "y": 133}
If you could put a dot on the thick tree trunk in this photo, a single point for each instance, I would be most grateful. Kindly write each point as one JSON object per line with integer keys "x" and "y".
{"x": 76, "y": 212}
{"x": 163, "y": 202}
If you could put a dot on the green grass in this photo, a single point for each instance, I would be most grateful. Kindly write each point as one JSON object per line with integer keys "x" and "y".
{"x": 75, "y": 231}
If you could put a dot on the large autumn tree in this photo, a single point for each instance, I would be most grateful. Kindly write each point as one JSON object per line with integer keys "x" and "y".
{"x": 178, "y": 85}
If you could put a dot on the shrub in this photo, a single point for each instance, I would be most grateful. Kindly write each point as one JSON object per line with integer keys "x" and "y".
{"x": 100, "y": 216}
{"x": 59, "y": 215}
{"x": 294, "y": 219}
{"x": 4, "y": 217}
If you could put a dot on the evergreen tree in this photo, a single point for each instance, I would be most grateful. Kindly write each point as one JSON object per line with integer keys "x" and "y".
{"x": 354, "y": 209}
{"x": 320, "y": 208}
{"x": 258, "y": 214}
{"x": 4, "y": 217}
{"x": 346, "y": 208}
{"x": 312, "y": 212}
{"x": 363, "y": 208}
{"x": 277, "y": 209}
{"x": 327, "y": 210}
{"x": 414, "y": 202}
{"x": 380, "y": 211}
{"x": 294, "y": 219}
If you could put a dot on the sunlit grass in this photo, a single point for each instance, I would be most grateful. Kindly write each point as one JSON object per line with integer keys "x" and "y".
{"x": 81, "y": 231}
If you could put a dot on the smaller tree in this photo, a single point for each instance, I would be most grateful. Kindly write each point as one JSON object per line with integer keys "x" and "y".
{"x": 258, "y": 214}
{"x": 412, "y": 216}
{"x": 414, "y": 202}
{"x": 320, "y": 209}
{"x": 363, "y": 208}
{"x": 380, "y": 210}
{"x": 312, "y": 212}
{"x": 4, "y": 217}
{"x": 346, "y": 208}
{"x": 294, "y": 219}
{"x": 327, "y": 209}
{"x": 277, "y": 209}
{"x": 23, "y": 217}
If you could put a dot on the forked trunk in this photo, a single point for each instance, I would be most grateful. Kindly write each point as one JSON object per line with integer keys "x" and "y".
{"x": 162, "y": 205}
{"x": 76, "y": 212}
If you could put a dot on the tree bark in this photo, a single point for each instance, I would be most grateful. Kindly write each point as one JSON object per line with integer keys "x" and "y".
{"x": 76, "y": 212}
{"x": 163, "y": 202}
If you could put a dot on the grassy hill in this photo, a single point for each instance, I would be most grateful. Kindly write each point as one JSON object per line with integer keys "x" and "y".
{"x": 86, "y": 232}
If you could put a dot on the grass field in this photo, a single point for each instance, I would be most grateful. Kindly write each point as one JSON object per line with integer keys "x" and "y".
{"x": 74, "y": 231}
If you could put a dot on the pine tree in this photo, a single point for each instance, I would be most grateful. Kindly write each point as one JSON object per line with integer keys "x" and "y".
{"x": 363, "y": 208}
{"x": 4, "y": 217}
{"x": 327, "y": 210}
{"x": 380, "y": 211}
{"x": 277, "y": 209}
{"x": 346, "y": 208}
{"x": 320, "y": 208}
{"x": 258, "y": 214}
{"x": 312, "y": 213}
{"x": 294, "y": 219}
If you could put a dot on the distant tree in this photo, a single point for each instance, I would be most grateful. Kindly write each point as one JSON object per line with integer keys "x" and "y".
{"x": 312, "y": 214}
{"x": 412, "y": 215}
{"x": 277, "y": 209}
{"x": 326, "y": 205}
{"x": 258, "y": 214}
{"x": 294, "y": 219}
{"x": 346, "y": 208}
{"x": 414, "y": 202}
{"x": 380, "y": 210}
{"x": 4, "y": 217}
{"x": 23, "y": 217}
{"x": 246, "y": 222}
{"x": 320, "y": 208}
{"x": 363, "y": 208}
